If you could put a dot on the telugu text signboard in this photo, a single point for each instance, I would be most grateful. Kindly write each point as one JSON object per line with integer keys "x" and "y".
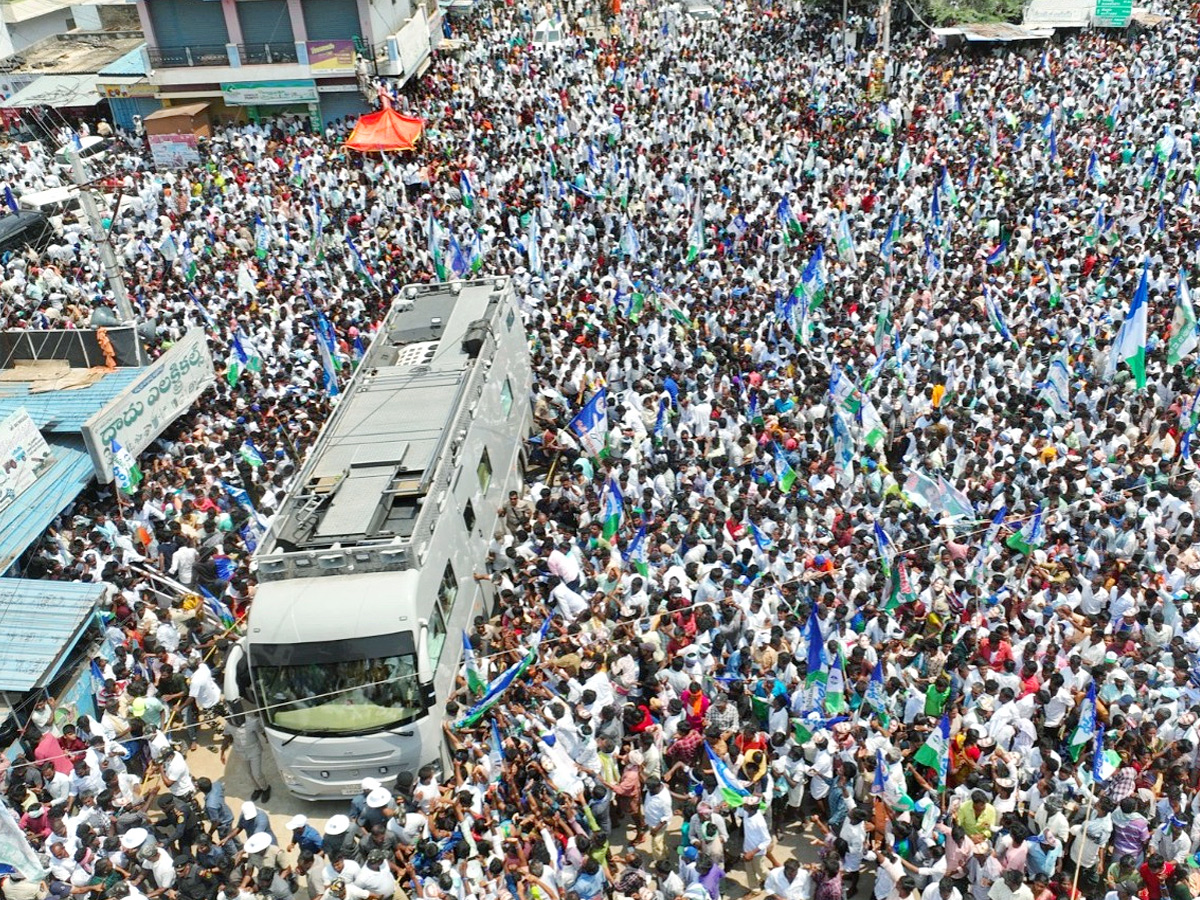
{"x": 23, "y": 451}
{"x": 1112, "y": 13}
{"x": 269, "y": 93}
{"x": 143, "y": 410}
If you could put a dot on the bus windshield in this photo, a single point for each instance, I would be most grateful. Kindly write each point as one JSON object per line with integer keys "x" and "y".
{"x": 313, "y": 689}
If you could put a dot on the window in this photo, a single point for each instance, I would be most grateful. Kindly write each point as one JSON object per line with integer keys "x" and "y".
{"x": 469, "y": 516}
{"x": 447, "y": 591}
{"x": 340, "y": 687}
{"x": 510, "y": 319}
{"x": 506, "y": 397}
{"x": 437, "y": 636}
{"x": 484, "y": 471}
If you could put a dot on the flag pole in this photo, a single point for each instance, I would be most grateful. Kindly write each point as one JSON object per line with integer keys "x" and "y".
{"x": 1083, "y": 836}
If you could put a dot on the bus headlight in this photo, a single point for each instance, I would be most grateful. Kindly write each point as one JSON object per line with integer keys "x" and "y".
{"x": 324, "y": 773}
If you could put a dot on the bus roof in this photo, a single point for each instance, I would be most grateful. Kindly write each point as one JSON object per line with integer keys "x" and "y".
{"x": 305, "y": 610}
{"x": 378, "y": 456}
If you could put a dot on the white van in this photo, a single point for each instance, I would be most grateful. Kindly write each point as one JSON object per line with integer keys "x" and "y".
{"x": 53, "y": 203}
{"x": 92, "y": 149}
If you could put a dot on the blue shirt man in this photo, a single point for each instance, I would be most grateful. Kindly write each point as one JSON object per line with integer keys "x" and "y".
{"x": 216, "y": 810}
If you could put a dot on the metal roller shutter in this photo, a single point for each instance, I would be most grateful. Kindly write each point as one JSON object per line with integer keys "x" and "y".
{"x": 265, "y": 22}
{"x": 339, "y": 105}
{"x": 330, "y": 19}
{"x": 182, "y": 23}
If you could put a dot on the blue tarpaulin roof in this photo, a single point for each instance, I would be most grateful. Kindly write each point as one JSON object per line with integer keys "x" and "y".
{"x": 40, "y": 623}
{"x": 24, "y": 521}
{"x": 64, "y": 411}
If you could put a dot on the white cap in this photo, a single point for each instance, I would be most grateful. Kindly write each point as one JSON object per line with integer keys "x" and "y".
{"x": 379, "y": 798}
{"x": 296, "y": 822}
{"x": 337, "y": 825}
{"x": 134, "y": 838}
{"x": 249, "y": 810}
{"x": 370, "y": 784}
{"x": 257, "y": 843}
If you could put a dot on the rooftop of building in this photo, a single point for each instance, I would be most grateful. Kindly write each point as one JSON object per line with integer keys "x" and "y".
{"x": 73, "y": 53}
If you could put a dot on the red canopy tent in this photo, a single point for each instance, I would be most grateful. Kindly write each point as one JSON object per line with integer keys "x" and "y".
{"x": 385, "y": 130}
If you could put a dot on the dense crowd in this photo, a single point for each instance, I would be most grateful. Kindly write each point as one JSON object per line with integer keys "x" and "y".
{"x": 891, "y": 547}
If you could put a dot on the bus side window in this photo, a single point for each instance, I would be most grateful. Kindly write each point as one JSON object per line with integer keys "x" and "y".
{"x": 442, "y": 609}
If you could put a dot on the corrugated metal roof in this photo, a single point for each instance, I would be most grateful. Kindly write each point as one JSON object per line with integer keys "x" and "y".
{"x": 132, "y": 63}
{"x": 996, "y": 32}
{"x": 64, "y": 411}
{"x": 57, "y": 91}
{"x": 40, "y": 622}
{"x": 23, "y": 522}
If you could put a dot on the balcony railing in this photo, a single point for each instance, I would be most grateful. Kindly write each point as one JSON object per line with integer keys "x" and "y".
{"x": 219, "y": 55}
{"x": 191, "y": 55}
{"x": 265, "y": 54}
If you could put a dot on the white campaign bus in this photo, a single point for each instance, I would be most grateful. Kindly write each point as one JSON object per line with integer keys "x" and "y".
{"x": 366, "y": 576}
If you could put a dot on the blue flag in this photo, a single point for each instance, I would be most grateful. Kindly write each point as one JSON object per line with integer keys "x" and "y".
{"x": 590, "y": 425}
{"x": 816, "y": 679}
{"x": 1085, "y": 731}
{"x": 219, "y": 610}
{"x": 660, "y": 420}
{"x": 875, "y": 696}
{"x": 879, "y": 784}
{"x": 883, "y": 544}
{"x": 242, "y": 499}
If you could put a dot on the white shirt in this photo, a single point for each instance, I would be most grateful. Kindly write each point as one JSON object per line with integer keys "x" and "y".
{"x": 570, "y": 603}
{"x": 855, "y": 837}
{"x": 757, "y": 836}
{"x": 381, "y": 883}
{"x": 799, "y": 888}
{"x": 162, "y": 868}
{"x": 657, "y": 808}
{"x": 180, "y": 775}
{"x": 183, "y": 564}
{"x": 426, "y": 794}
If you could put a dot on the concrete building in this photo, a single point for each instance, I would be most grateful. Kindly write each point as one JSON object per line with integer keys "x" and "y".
{"x": 253, "y": 58}
{"x": 25, "y": 22}
{"x": 56, "y": 78}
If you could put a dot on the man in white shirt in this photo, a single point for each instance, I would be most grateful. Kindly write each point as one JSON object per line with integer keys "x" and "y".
{"x": 656, "y": 808}
{"x": 570, "y": 602}
{"x": 183, "y": 563}
{"x": 176, "y": 775}
{"x": 941, "y": 890}
{"x": 789, "y": 882}
{"x": 375, "y": 877}
{"x": 756, "y": 843}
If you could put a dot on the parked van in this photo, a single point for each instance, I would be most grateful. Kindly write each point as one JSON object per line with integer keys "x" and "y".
{"x": 92, "y": 149}
{"x": 53, "y": 202}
